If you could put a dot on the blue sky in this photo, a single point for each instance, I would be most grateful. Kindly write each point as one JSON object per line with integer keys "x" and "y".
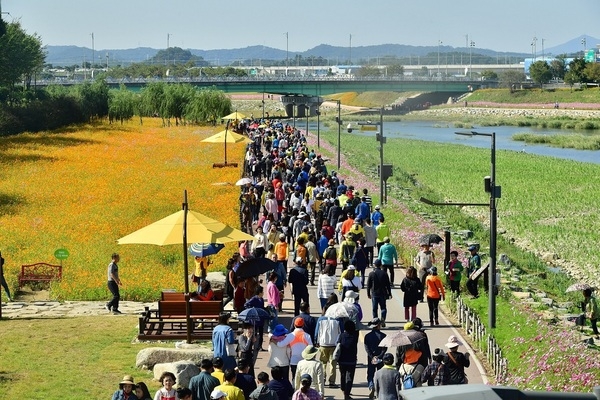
{"x": 508, "y": 25}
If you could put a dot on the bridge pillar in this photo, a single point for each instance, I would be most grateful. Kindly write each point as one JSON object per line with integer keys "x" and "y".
{"x": 289, "y": 110}
{"x": 303, "y": 104}
{"x": 301, "y": 113}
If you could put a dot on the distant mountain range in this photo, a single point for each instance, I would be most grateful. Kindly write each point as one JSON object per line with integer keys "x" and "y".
{"x": 71, "y": 55}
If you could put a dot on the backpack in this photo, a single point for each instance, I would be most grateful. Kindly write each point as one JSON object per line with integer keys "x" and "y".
{"x": 407, "y": 380}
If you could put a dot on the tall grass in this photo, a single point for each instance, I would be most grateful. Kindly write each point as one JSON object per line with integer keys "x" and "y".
{"x": 83, "y": 188}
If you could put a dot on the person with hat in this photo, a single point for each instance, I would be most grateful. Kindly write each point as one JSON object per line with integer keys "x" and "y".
{"x": 279, "y": 356}
{"x": 298, "y": 280}
{"x": 379, "y": 290}
{"x": 228, "y": 387}
{"x": 306, "y": 392}
{"x": 352, "y": 297}
{"x": 375, "y": 352}
{"x": 218, "y": 394}
{"x": 435, "y": 373}
{"x": 349, "y": 281}
{"x": 386, "y": 382}
{"x": 435, "y": 292}
{"x": 389, "y": 258}
{"x": 298, "y": 339}
{"x": 204, "y": 383}
{"x": 327, "y": 333}
{"x": 473, "y": 266}
{"x": 125, "y": 391}
{"x": 424, "y": 261}
{"x": 456, "y": 362}
{"x": 376, "y": 216}
{"x": 312, "y": 366}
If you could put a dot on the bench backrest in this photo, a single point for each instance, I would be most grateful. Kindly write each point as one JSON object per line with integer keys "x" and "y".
{"x": 179, "y": 296}
{"x": 177, "y": 308}
{"x": 41, "y": 270}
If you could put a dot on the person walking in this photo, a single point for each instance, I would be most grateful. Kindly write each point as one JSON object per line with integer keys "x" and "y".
{"x": 375, "y": 353}
{"x": 413, "y": 292}
{"x": 387, "y": 381}
{"x": 298, "y": 279}
{"x": 298, "y": 339}
{"x": 435, "y": 293}
{"x": 327, "y": 334}
{"x": 326, "y": 284}
{"x": 113, "y": 284}
{"x": 306, "y": 392}
{"x": 590, "y": 308}
{"x": 348, "y": 357}
{"x": 370, "y": 239}
{"x": 379, "y": 290}
{"x": 456, "y": 362}
{"x": 389, "y": 257}
{"x": 3, "y": 281}
{"x": 383, "y": 231}
{"x": 424, "y": 261}
{"x": 309, "y": 365}
{"x": 474, "y": 265}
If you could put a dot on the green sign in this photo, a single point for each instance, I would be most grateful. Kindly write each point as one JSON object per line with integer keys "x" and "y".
{"x": 61, "y": 254}
{"x": 590, "y": 56}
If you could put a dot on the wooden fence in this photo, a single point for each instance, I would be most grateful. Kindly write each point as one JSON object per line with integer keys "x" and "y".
{"x": 483, "y": 341}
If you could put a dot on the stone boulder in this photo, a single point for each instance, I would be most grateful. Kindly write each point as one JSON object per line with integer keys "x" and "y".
{"x": 216, "y": 279}
{"x": 183, "y": 371}
{"x": 148, "y": 358}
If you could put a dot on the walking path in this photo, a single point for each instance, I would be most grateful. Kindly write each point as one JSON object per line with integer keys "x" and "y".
{"x": 438, "y": 336}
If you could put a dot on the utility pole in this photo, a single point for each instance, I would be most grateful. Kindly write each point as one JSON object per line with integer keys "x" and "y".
{"x": 350, "y": 63}
{"x": 168, "y": 37}
{"x": 287, "y": 52}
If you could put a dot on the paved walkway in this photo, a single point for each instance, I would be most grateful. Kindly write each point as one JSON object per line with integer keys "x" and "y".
{"x": 438, "y": 335}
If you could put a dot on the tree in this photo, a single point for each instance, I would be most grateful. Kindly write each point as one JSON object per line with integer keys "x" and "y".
{"x": 510, "y": 79}
{"x": 368, "y": 71}
{"x": 540, "y": 72}
{"x": 395, "y": 69}
{"x": 120, "y": 104}
{"x": 571, "y": 79}
{"x": 558, "y": 66}
{"x": 21, "y": 55}
{"x": 489, "y": 75}
{"x": 576, "y": 68}
{"x": 207, "y": 105}
{"x": 592, "y": 72}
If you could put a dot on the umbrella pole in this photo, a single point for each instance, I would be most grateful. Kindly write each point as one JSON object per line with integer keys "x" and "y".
{"x": 188, "y": 321}
{"x": 226, "y": 127}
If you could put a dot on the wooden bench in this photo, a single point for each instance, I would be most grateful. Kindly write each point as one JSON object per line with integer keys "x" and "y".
{"x": 179, "y": 296}
{"x": 39, "y": 272}
{"x": 168, "y": 322}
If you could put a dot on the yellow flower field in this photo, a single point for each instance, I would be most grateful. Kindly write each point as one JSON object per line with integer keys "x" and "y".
{"x": 83, "y": 188}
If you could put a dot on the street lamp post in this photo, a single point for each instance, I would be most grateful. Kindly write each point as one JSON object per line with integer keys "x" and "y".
{"x": 294, "y": 113}
{"x": 471, "y": 45}
{"x": 350, "y": 62}
{"x": 583, "y": 43}
{"x": 287, "y": 50}
{"x": 339, "y": 103}
{"x": 534, "y": 44}
{"x": 495, "y": 193}
{"x": 439, "y": 44}
{"x": 318, "y": 112}
{"x": 381, "y": 142}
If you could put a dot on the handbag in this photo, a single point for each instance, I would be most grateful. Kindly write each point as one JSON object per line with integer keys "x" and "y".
{"x": 231, "y": 349}
{"x": 337, "y": 352}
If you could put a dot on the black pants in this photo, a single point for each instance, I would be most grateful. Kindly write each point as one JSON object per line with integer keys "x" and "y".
{"x": 370, "y": 252}
{"x": 113, "y": 304}
{"x": 472, "y": 287}
{"x": 389, "y": 267}
{"x": 311, "y": 267}
{"x": 433, "y": 308}
{"x": 455, "y": 287}
{"x": 347, "y": 377}
{"x": 298, "y": 299}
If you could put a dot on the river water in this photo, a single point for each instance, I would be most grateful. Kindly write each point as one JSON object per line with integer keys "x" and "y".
{"x": 435, "y": 131}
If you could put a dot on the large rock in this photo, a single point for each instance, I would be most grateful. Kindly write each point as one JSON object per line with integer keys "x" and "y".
{"x": 183, "y": 371}
{"x": 148, "y": 358}
{"x": 216, "y": 279}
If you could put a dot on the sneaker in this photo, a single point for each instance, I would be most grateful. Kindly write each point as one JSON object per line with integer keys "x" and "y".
{"x": 437, "y": 322}
{"x": 117, "y": 312}
{"x": 108, "y": 308}
{"x": 383, "y": 324}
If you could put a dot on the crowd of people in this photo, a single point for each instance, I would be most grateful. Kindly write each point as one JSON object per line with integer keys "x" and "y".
{"x": 338, "y": 241}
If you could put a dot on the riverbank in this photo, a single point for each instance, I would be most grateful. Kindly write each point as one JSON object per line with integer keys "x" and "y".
{"x": 513, "y": 111}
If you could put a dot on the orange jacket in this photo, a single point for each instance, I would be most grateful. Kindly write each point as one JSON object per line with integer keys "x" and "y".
{"x": 435, "y": 287}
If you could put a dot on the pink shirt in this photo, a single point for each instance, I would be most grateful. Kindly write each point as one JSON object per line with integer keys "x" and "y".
{"x": 273, "y": 298}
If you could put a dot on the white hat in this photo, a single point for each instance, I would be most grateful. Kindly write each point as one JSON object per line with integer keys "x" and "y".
{"x": 351, "y": 268}
{"x": 453, "y": 342}
{"x": 299, "y": 259}
{"x": 351, "y": 294}
{"x": 218, "y": 394}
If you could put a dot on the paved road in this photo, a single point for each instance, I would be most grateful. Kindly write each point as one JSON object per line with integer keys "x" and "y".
{"x": 438, "y": 336}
